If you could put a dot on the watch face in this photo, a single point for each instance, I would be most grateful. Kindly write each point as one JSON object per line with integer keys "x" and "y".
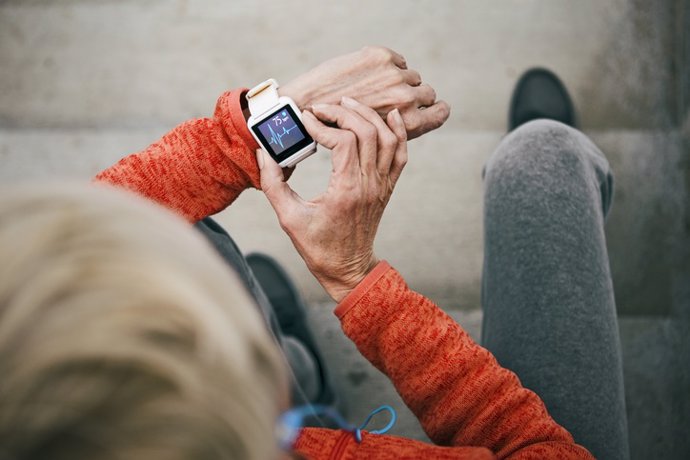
{"x": 282, "y": 133}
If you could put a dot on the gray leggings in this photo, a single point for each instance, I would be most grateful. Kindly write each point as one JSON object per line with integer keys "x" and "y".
{"x": 547, "y": 295}
{"x": 549, "y": 312}
{"x": 305, "y": 379}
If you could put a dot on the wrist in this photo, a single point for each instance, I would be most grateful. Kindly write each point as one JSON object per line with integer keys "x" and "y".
{"x": 339, "y": 287}
{"x": 294, "y": 90}
{"x": 298, "y": 92}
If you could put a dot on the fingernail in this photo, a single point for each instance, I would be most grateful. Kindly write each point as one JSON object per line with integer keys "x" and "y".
{"x": 397, "y": 116}
{"x": 260, "y": 158}
{"x": 348, "y": 101}
{"x": 319, "y": 107}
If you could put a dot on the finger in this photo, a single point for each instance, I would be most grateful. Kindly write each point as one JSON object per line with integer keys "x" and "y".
{"x": 342, "y": 143}
{"x": 421, "y": 121}
{"x": 324, "y": 135}
{"x": 385, "y": 54}
{"x": 412, "y": 77}
{"x": 386, "y": 139}
{"x": 425, "y": 95}
{"x": 286, "y": 203}
{"x": 397, "y": 125}
{"x": 365, "y": 132}
{"x": 398, "y": 59}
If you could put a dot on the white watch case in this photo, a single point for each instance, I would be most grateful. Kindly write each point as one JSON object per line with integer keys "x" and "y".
{"x": 265, "y": 103}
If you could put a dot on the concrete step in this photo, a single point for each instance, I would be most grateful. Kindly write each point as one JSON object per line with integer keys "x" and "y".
{"x": 432, "y": 229}
{"x": 85, "y": 82}
{"x": 80, "y": 63}
{"x": 656, "y": 353}
{"x": 82, "y": 83}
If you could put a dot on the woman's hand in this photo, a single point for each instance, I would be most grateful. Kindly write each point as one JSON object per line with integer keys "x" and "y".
{"x": 377, "y": 77}
{"x": 334, "y": 233}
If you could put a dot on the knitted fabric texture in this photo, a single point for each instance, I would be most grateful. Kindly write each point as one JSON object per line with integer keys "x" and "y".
{"x": 198, "y": 168}
{"x": 469, "y": 405}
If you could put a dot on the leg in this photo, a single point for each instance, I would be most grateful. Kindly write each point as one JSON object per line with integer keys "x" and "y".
{"x": 306, "y": 382}
{"x": 547, "y": 295}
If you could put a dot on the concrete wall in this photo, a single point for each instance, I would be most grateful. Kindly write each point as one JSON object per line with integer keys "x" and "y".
{"x": 84, "y": 82}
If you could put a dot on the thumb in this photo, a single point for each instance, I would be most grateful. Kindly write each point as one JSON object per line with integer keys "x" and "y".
{"x": 283, "y": 199}
{"x": 322, "y": 134}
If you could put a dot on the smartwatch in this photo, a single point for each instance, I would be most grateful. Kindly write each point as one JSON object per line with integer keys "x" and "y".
{"x": 276, "y": 124}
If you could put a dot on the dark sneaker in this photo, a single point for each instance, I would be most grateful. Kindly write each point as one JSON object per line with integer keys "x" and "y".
{"x": 291, "y": 314}
{"x": 540, "y": 94}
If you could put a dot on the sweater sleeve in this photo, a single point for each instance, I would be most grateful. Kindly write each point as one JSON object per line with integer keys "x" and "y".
{"x": 198, "y": 168}
{"x": 456, "y": 388}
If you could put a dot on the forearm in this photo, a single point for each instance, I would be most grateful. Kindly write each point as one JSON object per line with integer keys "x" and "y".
{"x": 457, "y": 390}
{"x": 197, "y": 169}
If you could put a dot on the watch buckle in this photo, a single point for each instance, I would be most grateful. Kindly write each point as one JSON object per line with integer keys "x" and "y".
{"x": 262, "y": 86}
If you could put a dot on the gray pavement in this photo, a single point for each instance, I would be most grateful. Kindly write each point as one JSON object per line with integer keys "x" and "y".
{"x": 83, "y": 83}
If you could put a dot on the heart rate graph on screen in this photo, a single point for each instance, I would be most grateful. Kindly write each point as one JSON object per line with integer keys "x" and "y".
{"x": 281, "y": 131}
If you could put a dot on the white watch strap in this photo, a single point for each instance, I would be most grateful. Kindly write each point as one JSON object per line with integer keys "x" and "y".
{"x": 263, "y": 97}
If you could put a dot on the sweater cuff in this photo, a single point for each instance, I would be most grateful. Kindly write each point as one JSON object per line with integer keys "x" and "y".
{"x": 361, "y": 289}
{"x": 229, "y": 110}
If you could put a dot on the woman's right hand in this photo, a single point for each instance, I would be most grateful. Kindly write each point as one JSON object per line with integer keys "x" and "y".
{"x": 334, "y": 233}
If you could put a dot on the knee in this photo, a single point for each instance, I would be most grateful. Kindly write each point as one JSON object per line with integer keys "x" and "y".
{"x": 542, "y": 133}
{"x": 547, "y": 153}
{"x": 546, "y": 146}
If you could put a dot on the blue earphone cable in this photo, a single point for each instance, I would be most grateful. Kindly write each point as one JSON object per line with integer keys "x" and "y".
{"x": 385, "y": 429}
{"x": 291, "y": 422}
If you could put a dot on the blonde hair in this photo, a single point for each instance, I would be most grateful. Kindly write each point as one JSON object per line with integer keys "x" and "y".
{"x": 123, "y": 335}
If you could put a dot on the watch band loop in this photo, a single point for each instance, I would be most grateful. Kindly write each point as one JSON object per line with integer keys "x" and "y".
{"x": 263, "y": 97}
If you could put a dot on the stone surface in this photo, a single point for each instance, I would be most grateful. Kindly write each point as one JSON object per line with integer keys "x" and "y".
{"x": 82, "y": 83}
{"x": 120, "y": 68}
{"x": 126, "y": 63}
{"x": 432, "y": 229}
{"x": 434, "y": 204}
{"x": 130, "y": 67}
{"x": 656, "y": 353}
{"x": 646, "y": 229}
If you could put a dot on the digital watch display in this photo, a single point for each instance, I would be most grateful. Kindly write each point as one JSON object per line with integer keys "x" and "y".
{"x": 276, "y": 124}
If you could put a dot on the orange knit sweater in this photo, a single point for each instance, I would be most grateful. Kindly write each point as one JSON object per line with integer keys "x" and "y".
{"x": 471, "y": 407}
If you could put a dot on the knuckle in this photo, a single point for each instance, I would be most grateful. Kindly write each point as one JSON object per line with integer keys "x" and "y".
{"x": 416, "y": 76}
{"x": 401, "y": 160}
{"x": 369, "y": 132}
{"x": 401, "y": 136}
{"x": 432, "y": 93}
{"x": 388, "y": 140}
{"x": 348, "y": 138}
{"x": 413, "y": 122}
{"x": 396, "y": 77}
{"x": 379, "y": 53}
{"x": 445, "y": 111}
{"x": 407, "y": 95}
{"x": 437, "y": 121}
